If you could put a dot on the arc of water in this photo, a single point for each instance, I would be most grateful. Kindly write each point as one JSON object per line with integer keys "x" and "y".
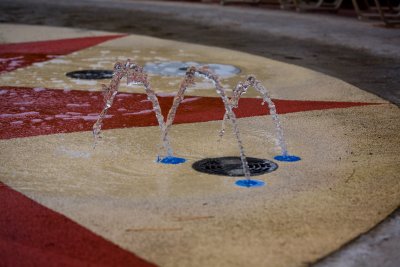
{"x": 134, "y": 74}
{"x": 109, "y": 94}
{"x": 137, "y": 75}
{"x": 240, "y": 89}
{"x": 272, "y": 110}
{"x": 186, "y": 82}
{"x": 189, "y": 80}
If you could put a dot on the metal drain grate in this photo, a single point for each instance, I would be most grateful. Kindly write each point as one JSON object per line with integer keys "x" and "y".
{"x": 232, "y": 166}
{"x": 90, "y": 74}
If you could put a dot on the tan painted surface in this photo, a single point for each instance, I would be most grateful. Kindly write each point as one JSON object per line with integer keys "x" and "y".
{"x": 16, "y": 33}
{"x": 347, "y": 181}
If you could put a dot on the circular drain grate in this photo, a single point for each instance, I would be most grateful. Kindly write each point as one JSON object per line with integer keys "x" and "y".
{"x": 90, "y": 74}
{"x": 232, "y": 166}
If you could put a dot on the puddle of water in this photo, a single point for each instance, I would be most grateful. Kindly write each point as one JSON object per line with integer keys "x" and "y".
{"x": 178, "y": 68}
{"x": 73, "y": 153}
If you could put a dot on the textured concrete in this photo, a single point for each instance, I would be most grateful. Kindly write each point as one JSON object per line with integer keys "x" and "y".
{"x": 369, "y": 69}
{"x": 323, "y": 201}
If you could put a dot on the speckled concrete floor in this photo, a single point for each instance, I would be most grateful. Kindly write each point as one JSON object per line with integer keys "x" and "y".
{"x": 373, "y": 67}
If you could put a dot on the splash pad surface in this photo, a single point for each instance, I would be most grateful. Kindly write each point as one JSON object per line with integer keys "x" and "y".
{"x": 172, "y": 215}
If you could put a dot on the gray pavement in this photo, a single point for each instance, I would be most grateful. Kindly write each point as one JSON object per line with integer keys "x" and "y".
{"x": 361, "y": 53}
{"x": 320, "y": 28}
{"x": 379, "y": 247}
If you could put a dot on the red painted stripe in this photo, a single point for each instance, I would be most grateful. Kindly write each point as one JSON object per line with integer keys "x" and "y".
{"x": 18, "y": 55}
{"x": 33, "y": 235}
{"x": 30, "y": 112}
{"x": 13, "y": 61}
{"x": 56, "y": 47}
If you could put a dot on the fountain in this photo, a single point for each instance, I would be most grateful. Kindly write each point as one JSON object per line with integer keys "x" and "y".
{"x": 136, "y": 75}
{"x": 189, "y": 80}
{"x": 240, "y": 89}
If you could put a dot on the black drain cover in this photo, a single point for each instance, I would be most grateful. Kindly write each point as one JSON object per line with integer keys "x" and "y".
{"x": 90, "y": 74}
{"x": 232, "y": 166}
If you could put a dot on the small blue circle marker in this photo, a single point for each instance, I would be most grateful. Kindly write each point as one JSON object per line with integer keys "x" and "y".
{"x": 287, "y": 158}
{"x": 171, "y": 160}
{"x": 249, "y": 183}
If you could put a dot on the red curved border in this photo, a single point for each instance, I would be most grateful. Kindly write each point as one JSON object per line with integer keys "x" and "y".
{"x": 19, "y": 55}
{"x": 33, "y": 235}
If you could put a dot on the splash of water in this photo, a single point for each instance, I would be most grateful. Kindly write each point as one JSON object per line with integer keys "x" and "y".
{"x": 134, "y": 75}
{"x": 189, "y": 80}
{"x": 109, "y": 93}
{"x": 240, "y": 89}
{"x": 272, "y": 110}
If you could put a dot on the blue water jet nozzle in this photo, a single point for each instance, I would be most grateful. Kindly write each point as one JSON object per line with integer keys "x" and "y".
{"x": 249, "y": 183}
{"x": 287, "y": 158}
{"x": 171, "y": 160}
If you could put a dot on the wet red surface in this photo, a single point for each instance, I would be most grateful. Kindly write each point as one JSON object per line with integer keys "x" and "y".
{"x": 28, "y": 112}
{"x": 18, "y": 55}
{"x": 33, "y": 235}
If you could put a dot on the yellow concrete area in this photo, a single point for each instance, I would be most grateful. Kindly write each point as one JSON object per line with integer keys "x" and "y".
{"x": 17, "y": 33}
{"x": 346, "y": 182}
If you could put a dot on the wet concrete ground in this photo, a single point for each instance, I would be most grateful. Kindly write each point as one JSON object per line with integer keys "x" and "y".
{"x": 369, "y": 68}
